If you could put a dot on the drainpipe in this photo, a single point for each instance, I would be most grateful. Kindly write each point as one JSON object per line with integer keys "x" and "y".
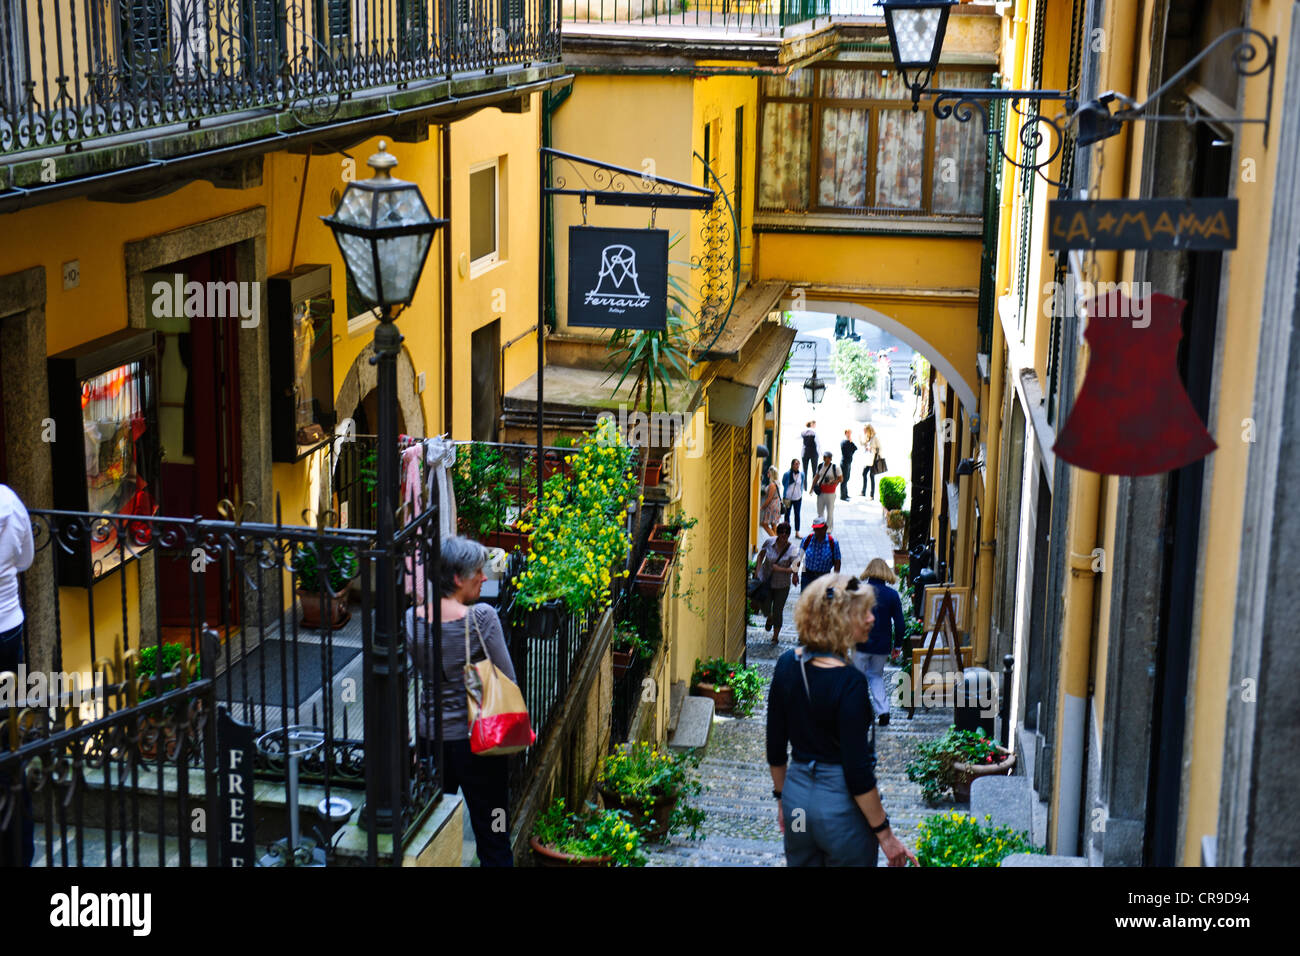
{"x": 552, "y": 100}
{"x": 989, "y": 522}
{"x": 447, "y": 391}
{"x": 1079, "y": 624}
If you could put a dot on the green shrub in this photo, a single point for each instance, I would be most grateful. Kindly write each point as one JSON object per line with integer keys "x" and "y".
{"x": 893, "y": 492}
{"x": 340, "y": 567}
{"x": 745, "y": 682}
{"x": 172, "y": 657}
{"x": 855, "y": 368}
{"x": 956, "y": 839}
{"x": 932, "y": 765}
{"x": 593, "y": 833}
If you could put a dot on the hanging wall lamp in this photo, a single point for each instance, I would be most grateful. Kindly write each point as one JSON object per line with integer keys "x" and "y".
{"x": 916, "y": 32}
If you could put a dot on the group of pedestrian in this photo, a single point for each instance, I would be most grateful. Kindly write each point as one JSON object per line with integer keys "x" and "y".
{"x": 820, "y": 477}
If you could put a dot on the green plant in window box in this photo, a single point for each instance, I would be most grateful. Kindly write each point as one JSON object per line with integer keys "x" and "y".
{"x": 650, "y": 784}
{"x": 932, "y": 766}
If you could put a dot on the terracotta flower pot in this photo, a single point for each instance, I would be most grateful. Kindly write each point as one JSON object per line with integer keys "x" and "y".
{"x": 508, "y": 541}
{"x": 658, "y": 815}
{"x": 313, "y": 609}
{"x": 649, "y": 581}
{"x": 622, "y": 662}
{"x": 900, "y": 558}
{"x": 545, "y": 856}
{"x": 662, "y": 540}
{"x": 653, "y": 473}
{"x": 724, "y": 698}
{"x": 965, "y": 774}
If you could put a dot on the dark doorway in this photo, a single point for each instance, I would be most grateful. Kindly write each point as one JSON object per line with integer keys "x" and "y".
{"x": 484, "y": 363}
{"x": 918, "y": 533}
{"x": 198, "y": 385}
{"x": 1213, "y": 170}
{"x": 1037, "y": 656}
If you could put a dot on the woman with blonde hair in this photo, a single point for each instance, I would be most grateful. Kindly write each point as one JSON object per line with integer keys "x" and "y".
{"x": 770, "y": 514}
{"x": 870, "y": 449}
{"x": 871, "y": 655}
{"x": 819, "y": 744}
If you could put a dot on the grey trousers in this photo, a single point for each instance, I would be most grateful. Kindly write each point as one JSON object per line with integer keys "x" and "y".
{"x": 823, "y": 824}
{"x": 873, "y": 666}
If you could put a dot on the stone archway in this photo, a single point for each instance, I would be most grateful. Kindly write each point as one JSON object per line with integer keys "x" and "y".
{"x": 899, "y": 329}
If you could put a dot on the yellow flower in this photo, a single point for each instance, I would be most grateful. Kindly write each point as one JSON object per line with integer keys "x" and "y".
{"x": 629, "y": 846}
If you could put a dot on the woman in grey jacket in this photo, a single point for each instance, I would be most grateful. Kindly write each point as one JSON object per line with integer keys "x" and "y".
{"x": 482, "y": 780}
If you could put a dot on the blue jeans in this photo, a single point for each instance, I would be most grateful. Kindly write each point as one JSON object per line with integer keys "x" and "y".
{"x": 793, "y": 508}
{"x": 823, "y": 824}
{"x": 873, "y": 666}
{"x": 17, "y": 842}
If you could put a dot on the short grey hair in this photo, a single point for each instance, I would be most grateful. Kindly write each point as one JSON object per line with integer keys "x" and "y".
{"x": 461, "y": 557}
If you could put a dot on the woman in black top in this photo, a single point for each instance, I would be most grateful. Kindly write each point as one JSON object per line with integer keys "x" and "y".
{"x": 827, "y": 803}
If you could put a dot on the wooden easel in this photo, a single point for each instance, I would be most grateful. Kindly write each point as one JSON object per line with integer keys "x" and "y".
{"x": 945, "y": 621}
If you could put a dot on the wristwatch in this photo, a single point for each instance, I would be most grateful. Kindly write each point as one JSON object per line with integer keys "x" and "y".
{"x": 880, "y": 829}
{"x": 776, "y": 794}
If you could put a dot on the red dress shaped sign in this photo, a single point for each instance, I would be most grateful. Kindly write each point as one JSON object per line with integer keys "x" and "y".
{"x": 1133, "y": 416}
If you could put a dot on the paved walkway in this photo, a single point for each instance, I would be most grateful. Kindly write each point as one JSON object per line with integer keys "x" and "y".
{"x": 741, "y": 828}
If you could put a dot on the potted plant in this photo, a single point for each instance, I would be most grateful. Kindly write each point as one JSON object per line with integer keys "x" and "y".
{"x": 578, "y": 531}
{"x": 735, "y": 689}
{"x": 952, "y": 761}
{"x": 648, "y": 783}
{"x": 152, "y": 663}
{"x": 628, "y": 644}
{"x": 855, "y": 369}
{"x": 666, "y": 537}
{"x": 958, "y": 839}
{"x": 479, "y": 484}
{"x": 654, "y": 471}
{"x": 652, "y": 574}
{"x": 590, "y": 839}
{"x": 893, "y": 492}
{"x": 321, "y": 584}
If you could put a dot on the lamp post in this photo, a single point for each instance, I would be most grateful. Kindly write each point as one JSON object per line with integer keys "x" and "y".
{"x": 384, "y": 230}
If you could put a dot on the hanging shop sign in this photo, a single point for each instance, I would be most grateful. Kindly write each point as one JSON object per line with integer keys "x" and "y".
{"x": 1180, "y": 224}
{"x": 618, "y": 278}
{"x": 1133, "y": 416}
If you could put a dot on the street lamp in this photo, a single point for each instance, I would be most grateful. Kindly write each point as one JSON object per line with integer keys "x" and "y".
{"x": 813, "y": 387}
{"x": 384, "y": 230}
{"x": 916, "y": 29}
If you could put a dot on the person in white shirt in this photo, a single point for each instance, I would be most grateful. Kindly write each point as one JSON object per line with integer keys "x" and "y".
{"x": 826, "y": 482}
{"x": 16, "y": 553}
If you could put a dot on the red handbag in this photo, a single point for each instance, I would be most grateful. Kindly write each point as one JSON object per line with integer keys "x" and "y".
{"x": 498, "y": 717}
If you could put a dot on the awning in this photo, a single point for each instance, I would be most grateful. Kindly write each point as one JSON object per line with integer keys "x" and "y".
{"x": 740, "y": 386}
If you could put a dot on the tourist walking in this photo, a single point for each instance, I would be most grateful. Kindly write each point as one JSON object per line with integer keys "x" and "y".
{"x": 871, "y": 451}
{"x": 819, "y": 745}
{"x": 793, "y": 483}
{"x": 776, "y": 560}
{"x": 809, "y": 436}
{"x": 871, "y": 655}
{"x": 821, "y": 554}
{"x": 847, "y": 449}
{"x": 482, "y": 780}
{"x": 825, "y": 482}
{"x": 17, "y": 550}
{"x": 770, "y": 513}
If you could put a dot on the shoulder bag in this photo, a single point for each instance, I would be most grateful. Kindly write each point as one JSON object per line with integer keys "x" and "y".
{"x": 498, "y": 717}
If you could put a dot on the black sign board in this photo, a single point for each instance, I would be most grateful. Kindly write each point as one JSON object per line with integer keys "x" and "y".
{"x": 236, "y": 751}
{"x": 1142, "y": 224}
{"x": 618, "y": 278}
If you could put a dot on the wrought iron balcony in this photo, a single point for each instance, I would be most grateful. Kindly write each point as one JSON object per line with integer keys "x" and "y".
{"x": 760, "y": 17}
{"x": 72, "y": 70}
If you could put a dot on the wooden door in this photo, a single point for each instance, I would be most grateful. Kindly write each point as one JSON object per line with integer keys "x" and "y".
{"x": 199, "y": 384}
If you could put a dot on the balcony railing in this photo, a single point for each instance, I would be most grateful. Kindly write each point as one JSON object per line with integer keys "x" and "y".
{"x": 71, "y": 70}
{"x": 739, "y": 16}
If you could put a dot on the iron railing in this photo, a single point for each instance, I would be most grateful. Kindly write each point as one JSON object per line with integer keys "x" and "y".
{"x": 739, "y": 16}
{"x": 71, "y": 70}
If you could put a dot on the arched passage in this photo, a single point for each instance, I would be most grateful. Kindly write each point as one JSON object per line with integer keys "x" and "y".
{"x": 952, "y": 329}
